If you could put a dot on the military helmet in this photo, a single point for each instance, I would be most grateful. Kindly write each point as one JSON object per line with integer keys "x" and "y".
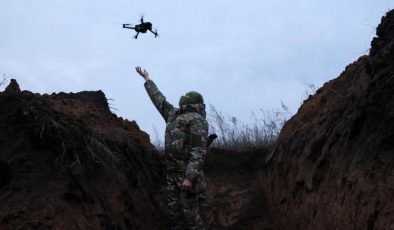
{"x": 190, "y": 98}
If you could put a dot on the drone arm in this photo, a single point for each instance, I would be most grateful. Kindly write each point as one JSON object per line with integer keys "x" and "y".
{"x": 128, "y": 27}
{"x": 153, "y": 32}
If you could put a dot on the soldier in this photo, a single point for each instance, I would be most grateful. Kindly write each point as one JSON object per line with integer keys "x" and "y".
{"x": 185, "y": 149}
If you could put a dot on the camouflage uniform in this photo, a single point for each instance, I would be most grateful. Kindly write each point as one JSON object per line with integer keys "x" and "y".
{"x": 185, "y": 147}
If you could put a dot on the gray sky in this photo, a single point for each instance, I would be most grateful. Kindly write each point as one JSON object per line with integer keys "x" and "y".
{"x": 241, "y": 55}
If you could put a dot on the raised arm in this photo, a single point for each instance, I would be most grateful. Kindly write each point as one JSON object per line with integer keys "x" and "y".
{"x": 158, "y": 99}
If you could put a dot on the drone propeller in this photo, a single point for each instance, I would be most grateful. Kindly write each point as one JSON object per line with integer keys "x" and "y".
{"x": 142, "y": 17}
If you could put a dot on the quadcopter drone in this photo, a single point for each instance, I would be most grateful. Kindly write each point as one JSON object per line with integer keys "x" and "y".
{"x": 141, "y": 28}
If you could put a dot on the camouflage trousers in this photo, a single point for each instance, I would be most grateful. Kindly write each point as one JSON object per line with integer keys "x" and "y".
{"x": 183, "y": 207}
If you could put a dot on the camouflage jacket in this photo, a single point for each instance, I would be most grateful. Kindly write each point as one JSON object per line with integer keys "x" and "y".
{"x": 185, "y": 136}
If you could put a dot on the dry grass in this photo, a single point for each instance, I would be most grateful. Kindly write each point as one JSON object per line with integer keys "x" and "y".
{"x": 158, "y": 142}
{"x": 3, "y": 81}
{"x": 236, "y": 135}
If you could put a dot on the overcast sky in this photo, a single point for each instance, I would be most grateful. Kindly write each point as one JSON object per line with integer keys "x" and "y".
{"x": 241, "y": 55}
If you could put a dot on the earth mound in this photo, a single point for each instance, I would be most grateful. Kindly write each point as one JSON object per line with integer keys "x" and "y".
{"x": 333, "y": 166}
{"x": 67, "y": 162}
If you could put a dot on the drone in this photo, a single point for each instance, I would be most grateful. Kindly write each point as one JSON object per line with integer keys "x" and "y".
{"x": 141, "y": 28}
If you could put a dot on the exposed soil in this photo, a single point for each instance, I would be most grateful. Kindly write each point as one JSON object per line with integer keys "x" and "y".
{"x": 333, "y": 166}
{"x": 235, "y": 193}
{"x": 67, "y": 162}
